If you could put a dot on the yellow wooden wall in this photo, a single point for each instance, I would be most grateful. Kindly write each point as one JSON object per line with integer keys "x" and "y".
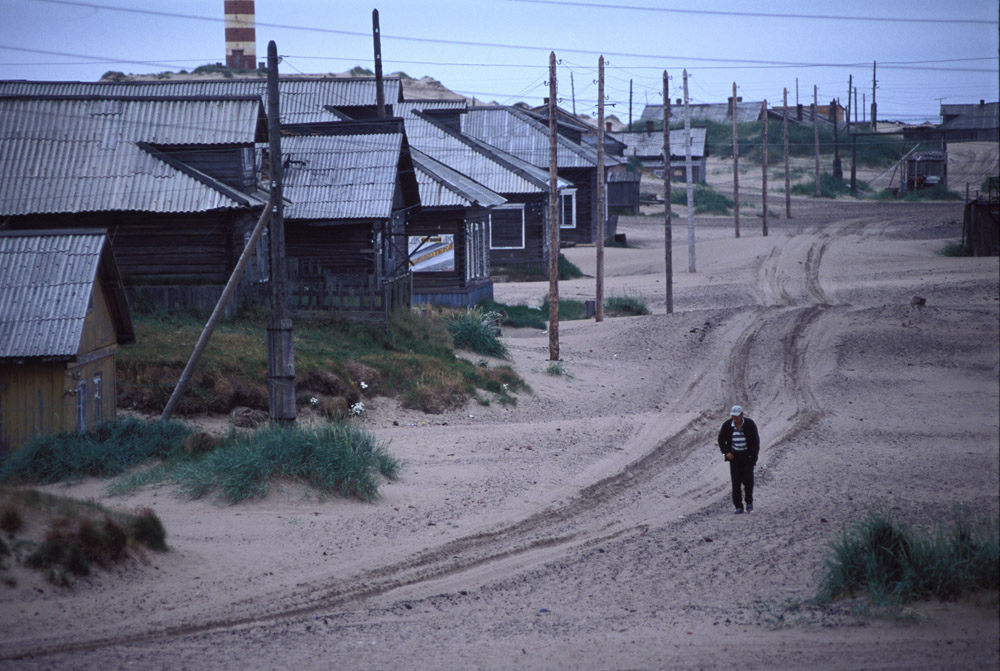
{"x": 39, "y": 397}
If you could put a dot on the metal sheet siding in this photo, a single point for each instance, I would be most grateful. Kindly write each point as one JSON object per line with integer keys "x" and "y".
{"x": 45, "y": 288}
{"x": 82, "y": 155}
{"x": 342, "y": 176}
{"x": 302, "y": 100}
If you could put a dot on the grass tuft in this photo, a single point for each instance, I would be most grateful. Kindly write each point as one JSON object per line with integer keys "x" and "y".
{"x": 706, "y": 200}
{"x": 894, "y": 564}
{"x": 956, "y": 249}
{"x": 625, "y": 305}
{"x": 473, "y": 330}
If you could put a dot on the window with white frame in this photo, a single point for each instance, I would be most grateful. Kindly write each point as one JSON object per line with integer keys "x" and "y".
{"x": 477, "y": 260}
{"x": 567, "y": 208}
{"x": 507, "y": 227}
{"x": 98, "y": 398}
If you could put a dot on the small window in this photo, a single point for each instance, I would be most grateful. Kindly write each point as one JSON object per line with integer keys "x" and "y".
{"x": 507, "y": 227}
{"x": 567, "y": 209}
{"x": 98, "y": 393}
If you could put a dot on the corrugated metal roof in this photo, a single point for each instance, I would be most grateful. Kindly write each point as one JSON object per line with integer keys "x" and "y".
{"x": 303, "y": 100}
{"x": 517, "y": 133}
{"x": 714, "y": 112}
{"x": 81, "y": 155}
{"x": 45, "y": 288}
{"x": 466, "y": 157}
{"x": 340, "y": 176}
{"x": 971, "y": 117}
{"x": 651, "y": 144}
{"x": 440, "y": 186}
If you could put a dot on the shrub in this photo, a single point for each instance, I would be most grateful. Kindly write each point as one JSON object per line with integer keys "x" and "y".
{"x": 706, "y": 200}
{"x": 627, "y": 305}
{"x": 829, "y": 186}
{"x": 147, "y": 529}
{"x": 895, "y": 564}
{"x": 956, "y": 249}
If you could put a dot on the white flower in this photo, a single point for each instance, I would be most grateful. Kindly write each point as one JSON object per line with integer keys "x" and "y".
{"x": 313, "y": 400}
{"x": 505, "y": 386}
{"x": 364, "y": 385}
{"x": 357, "y": 409}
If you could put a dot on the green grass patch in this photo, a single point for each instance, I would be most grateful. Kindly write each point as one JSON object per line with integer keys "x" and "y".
{"x": 627, "y": 305}
{"x": 338, "y": 458}
{"x": 894, "y": 564}
{"x": 567, "y": 271}
{"x": 473, "y": 330}
{"x": 956, "y": 249}
{"x": 937, "y": 192}
{"x": 333, "y": 357}
{"x": 829, "y": 186}
{"x": 110, "y": 449}
{"x": 706, "y": 200}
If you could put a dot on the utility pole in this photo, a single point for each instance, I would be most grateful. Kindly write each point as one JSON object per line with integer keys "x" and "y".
{"x": 849, "y": 88}
{"x": 599, "y": 295}
{"x": 855, "y": 105}
{"x": 572, "y": 91}
{"x": 668, "y": 243}
{"x": 687, "y": 175}
{"x": 816, "y": 134}
{"x": 874, "y": 104}
{"x": 280, "y": 340}
{"x": 763, "y": 162}
{"x": 838, "y": 171}
{"x": 553, "y": 218}
{"x": 630, "y": 104}
{"x": 864, "y": 106}
{"x": 736, "y": 165}
{"x": 379, "y": 90}
{"x": 788, "y": 189}
{"x": 796, "y": 92}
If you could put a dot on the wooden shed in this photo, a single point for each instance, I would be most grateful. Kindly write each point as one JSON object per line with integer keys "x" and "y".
{"x": 63, "y": 314}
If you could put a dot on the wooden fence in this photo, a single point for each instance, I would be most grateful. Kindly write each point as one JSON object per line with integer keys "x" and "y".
{"x": 355, "y": 297}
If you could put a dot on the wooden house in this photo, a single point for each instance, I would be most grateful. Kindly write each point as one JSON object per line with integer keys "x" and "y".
{"x": 647, "y": 147}
{"x": 518, "y": 228}
{"x": 517, "y": 132}
{"x": 349, "y": 187}
{"x": 173, "y": 180}
{"x": 63, "y": 314}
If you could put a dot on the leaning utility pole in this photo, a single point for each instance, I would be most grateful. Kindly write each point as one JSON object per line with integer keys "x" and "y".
{"x": 788, "y": 188}
{"x": 763, "y": 161}
{"x": 668, "y": 244}
{"x": 280, "y": 341}
{"x": 553, "y": 218}
{"x": 815, "y": 105}
{"x": 736, "y": 165}
{"x": 687, "y": 173}
{"x": 379, "y": 89}
{"x": 599, "y": 294}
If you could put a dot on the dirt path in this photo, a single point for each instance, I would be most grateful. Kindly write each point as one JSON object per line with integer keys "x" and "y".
{"x": 590, "y": 527}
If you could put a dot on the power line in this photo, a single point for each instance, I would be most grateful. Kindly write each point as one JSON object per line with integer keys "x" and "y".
{"x": 767, "y": 15}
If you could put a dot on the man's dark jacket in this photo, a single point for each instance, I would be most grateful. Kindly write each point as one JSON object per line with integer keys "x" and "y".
{"x": 753, "y": 439}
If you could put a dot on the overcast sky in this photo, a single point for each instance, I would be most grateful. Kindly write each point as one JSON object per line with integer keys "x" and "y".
{"x": 928, "y": 51}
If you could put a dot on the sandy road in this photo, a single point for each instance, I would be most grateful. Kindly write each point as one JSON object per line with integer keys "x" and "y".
{"x": 605, "y": 520}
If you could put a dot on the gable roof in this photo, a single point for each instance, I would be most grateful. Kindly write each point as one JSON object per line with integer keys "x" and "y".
{"x": 350, "y": 171}
{"x": 440, "y": 186}
{"x": 46, "y": 280}
{"x": 302, "y": 99}
{"x": 85, "y": 154}
{"x": 651, "y": 144}
{"x": 983, "y": 116}
{"x": 520, "y": 134}
{"x": 714, "y": 112}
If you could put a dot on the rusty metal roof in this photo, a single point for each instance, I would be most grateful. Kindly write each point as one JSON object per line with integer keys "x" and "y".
{"x": 46, "y": 281}
{"x": 70, "y": 155}
{"x": 440, "y": 186}
{"x": 350, "y": 176}
{"x": 303, "y": 100}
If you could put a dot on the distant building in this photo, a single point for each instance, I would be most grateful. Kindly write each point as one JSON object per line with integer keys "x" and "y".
{"x": 961, "y": 123}
{"x": 63, "y": 314}
{"x": 647, "y": 147}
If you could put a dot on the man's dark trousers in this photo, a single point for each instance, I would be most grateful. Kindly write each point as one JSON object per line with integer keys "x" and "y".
{"x": 741, "y": 472}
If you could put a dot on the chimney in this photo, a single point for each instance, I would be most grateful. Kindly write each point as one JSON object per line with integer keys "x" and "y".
{"x": 680, "y": 101}
{"x": 982, "y": 102}
{"x": 607, "y": 126}
{"x": 241, "y": 37}
{"x": 649, "y": 127}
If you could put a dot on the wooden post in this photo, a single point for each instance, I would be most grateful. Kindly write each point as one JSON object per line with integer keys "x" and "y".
{"x": 687, "y": 172}
{"x": 572, "y": 90}
{"x": 816, "y": 134}
{"x": 553, "y": 218}
{"x": 850, "y": 86}
{"x": 379, "y": 89}
{"x": 838, "y": 171}
{"x": 227, "y": 293}
{"x": 763, "y": 162}
{"x": 874, "y": 104}
{"x": 788, "y": 188}
{"x": 668, "y": 244}
{"x": 280, "y": 349}
{"x": 599, "y": 295}
{"x": 854, "y": 164}
{"x": 630, "y": 104}
{"x": 736, "y": 166}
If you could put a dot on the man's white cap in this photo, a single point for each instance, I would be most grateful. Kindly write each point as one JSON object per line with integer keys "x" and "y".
{"x": 737, "y": 410}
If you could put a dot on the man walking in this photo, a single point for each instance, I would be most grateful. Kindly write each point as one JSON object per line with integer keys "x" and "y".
{"x": 740, "y": 443}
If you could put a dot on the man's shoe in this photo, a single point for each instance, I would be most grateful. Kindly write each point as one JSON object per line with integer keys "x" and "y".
{"x": 739, "y": 511}
{"x": 749, "y": 507}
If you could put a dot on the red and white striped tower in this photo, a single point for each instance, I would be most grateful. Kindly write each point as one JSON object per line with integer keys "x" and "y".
{"x": 241, "y": 37}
